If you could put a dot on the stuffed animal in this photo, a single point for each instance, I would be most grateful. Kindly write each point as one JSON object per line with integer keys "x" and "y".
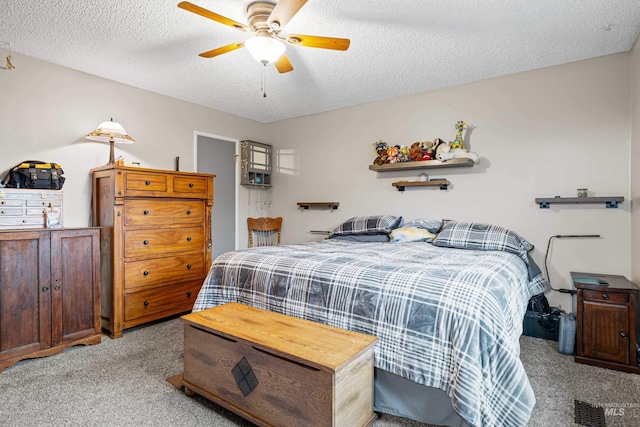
{"x": 444, "y": 152}
{"x": 427, "y": 150}
{"x": 381, "y": 150}
{"x": 415, "y": 151}
{"x": 403, "y": 154}
{"x": 392, "y": 154}
{"x": 459, "y": 141}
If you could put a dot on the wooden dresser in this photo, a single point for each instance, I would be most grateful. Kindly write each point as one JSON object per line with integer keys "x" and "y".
{"x": 156, "y": 245}
{"x": 607, "y": 322}
{"x": 49, "y": 291}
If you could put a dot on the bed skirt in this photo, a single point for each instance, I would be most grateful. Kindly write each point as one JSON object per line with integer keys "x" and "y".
{"x": 401, "y": 397}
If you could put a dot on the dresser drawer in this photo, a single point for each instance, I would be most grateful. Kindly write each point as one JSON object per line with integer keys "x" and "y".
{"x": 605, "y": 296}
{"x": 8, "y": 222}
{"x": 163, "y": 241}
{"x": 190, "y": 186}
{"x": 11, "y": 211}
{"x": 170, "y": 299}
{"x": 163, "y": 212}
{"x": 149, "y": 272}
{"x": 139, "y": 181}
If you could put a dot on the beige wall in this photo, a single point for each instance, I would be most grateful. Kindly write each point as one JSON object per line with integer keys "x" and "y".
{"x": 539, "y": 134}
{"x": 46, "y": 110}
{"x": 635, "y": 161}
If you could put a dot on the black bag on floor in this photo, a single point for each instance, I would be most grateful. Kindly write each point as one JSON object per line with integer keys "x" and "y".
{"x": 35, "y": 174}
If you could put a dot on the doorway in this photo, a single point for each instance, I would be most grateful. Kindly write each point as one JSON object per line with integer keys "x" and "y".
{"x": 217, "y": 155}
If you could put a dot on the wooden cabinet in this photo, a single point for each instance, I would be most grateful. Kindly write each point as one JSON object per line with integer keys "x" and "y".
{"x": 607, "y": 328}
{"x": 156, "y": 245}
{"x": 49, "y": 292}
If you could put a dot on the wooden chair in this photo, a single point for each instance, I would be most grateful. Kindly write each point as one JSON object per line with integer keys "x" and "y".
{"x": 264, "y": 231}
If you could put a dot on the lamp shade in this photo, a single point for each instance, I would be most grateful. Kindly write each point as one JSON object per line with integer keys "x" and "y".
{"x": 110, "y": 132}
{"x": 265, "y": 49}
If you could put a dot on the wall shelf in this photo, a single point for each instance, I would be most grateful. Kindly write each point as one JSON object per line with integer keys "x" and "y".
{"x": 442, "y": 183}
{"x": 423, "y": 164}
{"x": 307, "y": 205}
{"x": 609, "y": 202}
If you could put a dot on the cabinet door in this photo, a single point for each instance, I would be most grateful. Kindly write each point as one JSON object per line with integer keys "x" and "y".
{"x": 75, "y": 291}
{"x": 25, "y": 295}
{"x": 606, "y": 331}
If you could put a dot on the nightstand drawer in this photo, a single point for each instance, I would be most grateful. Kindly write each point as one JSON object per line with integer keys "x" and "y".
{"x": 149, "y": 272}
{"x": 163, "y": 212}
{"x": 166, "y": 299}
{"x": 163, "y": 241}
{"x": 605, "y": 296}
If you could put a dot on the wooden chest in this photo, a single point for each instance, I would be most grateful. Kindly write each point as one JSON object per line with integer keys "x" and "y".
{"x": 21, "y": 208}
{"x": 278, "y": 370}
{"x": 156, "y": 246}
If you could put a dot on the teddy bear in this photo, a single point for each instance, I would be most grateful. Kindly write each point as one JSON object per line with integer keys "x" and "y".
{"x": 415, "y": 151}
{"x": 444, "y": 152}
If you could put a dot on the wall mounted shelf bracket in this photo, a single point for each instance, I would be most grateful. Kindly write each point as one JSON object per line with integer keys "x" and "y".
{"x": 442, "y": 183}
{"x": 609, "y": 202}
{"x": 307, "y": 205}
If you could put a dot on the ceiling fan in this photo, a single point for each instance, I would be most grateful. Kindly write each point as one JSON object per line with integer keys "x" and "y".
{"x": 266, "y": 20}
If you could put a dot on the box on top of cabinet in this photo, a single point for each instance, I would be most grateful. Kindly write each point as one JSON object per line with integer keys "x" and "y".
{"x": 26, "y": 208}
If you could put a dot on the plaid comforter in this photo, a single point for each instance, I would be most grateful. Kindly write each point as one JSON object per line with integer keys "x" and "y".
{"x": 445, "y": 318}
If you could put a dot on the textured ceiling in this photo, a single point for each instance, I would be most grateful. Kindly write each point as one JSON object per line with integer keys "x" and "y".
{"x": 397, "y": 47}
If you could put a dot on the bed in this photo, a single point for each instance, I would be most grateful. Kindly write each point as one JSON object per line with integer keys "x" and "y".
{"x": 446, "y": 304}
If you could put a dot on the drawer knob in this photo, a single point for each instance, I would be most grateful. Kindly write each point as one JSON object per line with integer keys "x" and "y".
{"x": 623, "y": 335}
{"x": 146, "y": 303}
{"x": 188, "y": 266}
{"x": 146, "y": 212}
{"x": 4, "y": 211}
{"x": 188, "y": 239}
{"x": 146, "y": 242}
{"x": 146, "y": 273}
{"x": 191, "y": 185}
{"x": 147, "y": 182}
{"x": 189, "y": 212}
{"x": 56, "y": 287}
{"x": 45, "y": 288}
{"x": 24, "y": 221}
{"x": 189, "y": 293}
{"x": 605, "y": 296}
{"x": 4, "y": 202}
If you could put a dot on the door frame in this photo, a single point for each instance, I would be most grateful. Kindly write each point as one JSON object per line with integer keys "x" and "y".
{"x": 236, "y": 142}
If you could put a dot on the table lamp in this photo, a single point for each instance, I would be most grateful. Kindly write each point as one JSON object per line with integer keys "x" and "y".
{"x": 111, "y": 132}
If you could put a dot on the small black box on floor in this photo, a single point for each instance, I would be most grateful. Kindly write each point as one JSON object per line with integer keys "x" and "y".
{"x": 532, "y": 327}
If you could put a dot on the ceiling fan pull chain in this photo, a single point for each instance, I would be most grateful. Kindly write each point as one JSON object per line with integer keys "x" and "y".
{"x": 263, "y": 85}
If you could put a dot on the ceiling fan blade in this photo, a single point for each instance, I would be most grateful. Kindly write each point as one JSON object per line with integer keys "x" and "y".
{"x": 283, "y": 65}
{"x": 319, "y": 42}
{"x": 224, "y": 49}
{"x": 283, "y": 12}
{"x": 212, "y": 15}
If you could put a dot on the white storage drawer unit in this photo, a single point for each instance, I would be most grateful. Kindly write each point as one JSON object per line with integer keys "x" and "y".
{"x": 22, "y": 208}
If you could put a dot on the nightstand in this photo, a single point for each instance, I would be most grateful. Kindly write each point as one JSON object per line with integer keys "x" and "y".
{"x": 606, "y": 312}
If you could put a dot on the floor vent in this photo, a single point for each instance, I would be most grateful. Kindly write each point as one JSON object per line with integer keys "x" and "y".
{"x": 589, "y": 415}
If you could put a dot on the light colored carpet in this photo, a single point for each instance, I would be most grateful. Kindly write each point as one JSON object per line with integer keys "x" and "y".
{"x": 123, "y": 383}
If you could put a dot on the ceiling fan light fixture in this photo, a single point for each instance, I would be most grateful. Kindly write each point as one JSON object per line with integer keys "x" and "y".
{"x": 265, "y": 49}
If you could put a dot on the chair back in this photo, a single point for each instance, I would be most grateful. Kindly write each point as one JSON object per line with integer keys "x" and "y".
{"x": 264, "y": 231}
